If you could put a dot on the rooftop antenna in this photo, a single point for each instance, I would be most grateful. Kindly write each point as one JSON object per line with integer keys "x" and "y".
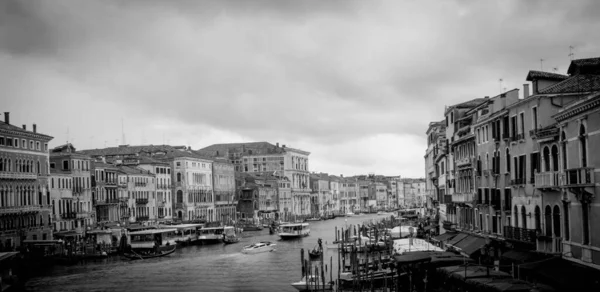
{"x": 571, "y": 54}
{"x": 122, "y": 132}
{"x": 555, "y": 69}
{"x": 500, "y": 81}
{"x": 542, "y": 64}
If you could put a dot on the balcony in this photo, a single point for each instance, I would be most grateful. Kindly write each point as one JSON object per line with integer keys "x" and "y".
{"x": 111, "y": 182}
{"x": 517, "y": 181}
{"x": 140, "y": 184}
{"x": 141, "y": 201}
{"x": 163, "y": 187}
{"x": 20, "y": 209}
{"x": 141, "y": 218}
{"x": 68, "y": 215}
{"x": 77, "y": 190}
{"x": 125, "y": 215}
{"x": 578, "y": 177}
{"x": 548, "y": 132}
{"x": 520, "y": 234}
{"x": 180, "y": 205}
{"x": 505, "y": 136}
{"x": 81, "y": 215}
{"x": 547, "y": 180}
{"x": 486, "y": 172}
{"x": 122, "y": 184}
{"x": 465, "y": 162}
{"x": 18, "y": 175}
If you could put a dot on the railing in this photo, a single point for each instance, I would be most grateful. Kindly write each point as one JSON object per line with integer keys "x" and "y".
{"x": 543, "y": 133}
{"x": 69, "y": 215}
{"x": 141, "y": 201}
{"x": 80, "y": 215}
{"x": 142, "y": 218}
{"x": 18, "y": 209}
{"x": 163, "y": 187}
{"x": 111, "y": 182}
{"x": 577, "y": 177}
{"x": 161, "y": 216}
{"x": 125, "y": 215}
{"x": 465, "y": 161}
{"x": 180, "y": 205}
{"x": 140, "y": 184}
{"x": 547, "y": 180}
{"x": 520, "y": 234}
{"x": 122, "y": 184}
{"x": 17, "y": 175}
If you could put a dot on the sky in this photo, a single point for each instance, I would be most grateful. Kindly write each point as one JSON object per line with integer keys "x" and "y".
{"x": 355, "y": 83}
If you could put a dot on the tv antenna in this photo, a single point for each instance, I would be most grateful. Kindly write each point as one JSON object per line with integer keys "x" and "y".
{"x": 542, "y": 64}
{"x": 571, "y": 54}
{"x": 555, "y": 69}
{"x": 500, "y": 81}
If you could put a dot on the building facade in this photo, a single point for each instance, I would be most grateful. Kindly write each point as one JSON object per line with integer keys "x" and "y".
{"x": 223, "y": 174}
{"x": 25, "y": 209}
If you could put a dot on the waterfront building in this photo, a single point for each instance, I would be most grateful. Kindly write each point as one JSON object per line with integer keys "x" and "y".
{"x": 349, "y": 201}
{"x": 162, "y": 175}
{"x": 105, "y": 193}
{"x": 392, "y": 191}
{"x": 141, "y": 194}
{"x": 334, "y": 187}
{"x": 363, "y": 194}
{"x": 436, "y": 132}
{"x": 378, "y": 192}
{"x": 224, "y": 190}
{"x": 321, "y": 197}
{"x": 285, "y": 205}
{"x": 24, "y": 195}
{"x": 569, "y": 214}
{"x": 258, "y": 196}
{"x": 70, "y": 193}
{"x": 264, "y": 157}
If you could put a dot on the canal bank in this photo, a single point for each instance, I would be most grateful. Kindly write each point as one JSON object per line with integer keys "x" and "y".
{"x": 200, "y": 268}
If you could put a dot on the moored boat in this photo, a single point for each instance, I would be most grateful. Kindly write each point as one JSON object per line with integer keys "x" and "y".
{"x": 150, "y": 254}
{"x": 314, "y": 284}
{"x": 259, "y": 247}
{"x": 231, "y": 239}
{"x": 151, "y": 243}
{"x": 294, "y": 230}
{"x": 185, "y": 233}
{"x": 209, "y": 235}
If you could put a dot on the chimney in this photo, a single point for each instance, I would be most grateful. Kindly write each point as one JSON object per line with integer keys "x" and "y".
{"x": 283, "y": 146}
{"x": 277, "y": 144}
{"x": 525, "y": 91}
{"x": 25, "y": 127}
{"x": 7, "y": 118}
{"x": 486, "y": 97}
{"x": 34, "y": 128}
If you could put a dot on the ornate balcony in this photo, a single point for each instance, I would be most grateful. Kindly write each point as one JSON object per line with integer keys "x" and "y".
{"x": 578, "y": 177}
{"x": 520, "y": 234}
{"x": 547, "y": 180}
{"x": 141, "y": 201}
{"x": 465, "y": 162}
{"x": 68, "y": 215}
{"x": 81, "y": 215}
{"x": 544, "y": 133}
{"x": 180, "y": 205}
{"x": 18, "y": 175}
{"x": 20, "y": 209}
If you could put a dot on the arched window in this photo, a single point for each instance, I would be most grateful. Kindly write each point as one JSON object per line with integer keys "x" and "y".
{"x": 179, "y": 197}
{"x": 538, "y": 219}
{"x": 546, "y": 157}
{"x": 554, "y": 158}
{"x": 583, "y": 145}
{"x": 566, "y": 217}
{"x": 556, "y": 221}
{"x": 523, "y": 217}
{"x": 548, "y": 221}
{"x": 563, "y": 139}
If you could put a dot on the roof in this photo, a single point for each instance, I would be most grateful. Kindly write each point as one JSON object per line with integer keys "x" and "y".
{"x": 127, "y": 150}
{"x": 13, "y": 128}
{"x": 133, "y": 170}
{"x": 579, "y": 64}
{"x": 563, "y": 274}
{"x": 534, "y": 74}
{"x": 7, "y": 255}
{"x": 143, "y": 159}
{"x": 575, "y": 84}
{"x": 152, "y": 231}
{"x": 467, "y": 104}
{"x": 588, "y": 103}
{"x": 171, "y": 154}
{"x": 237, "y": 147}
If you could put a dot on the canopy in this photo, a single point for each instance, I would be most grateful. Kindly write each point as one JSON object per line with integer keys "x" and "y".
{"x": 404, "y": 245}
{"x": 400, "y": 231}
{"x": 444, "y": 237}
{"x": 457, "y": 238}
{"x": 565, "y": 274}
{"x": 470, "y": 245}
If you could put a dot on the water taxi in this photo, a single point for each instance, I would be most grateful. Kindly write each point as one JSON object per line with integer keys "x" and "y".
{"x": 263, "y": 246}
{"x": 185, "y": 233}
{"x": 213, "y": 234}
{"x": 294, "y": 230}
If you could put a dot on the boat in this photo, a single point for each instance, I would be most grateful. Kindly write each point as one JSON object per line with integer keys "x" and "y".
{"x": 209, "y": 235}
{"x": 350, "y": 214}
{"x": 314, "y": 284}
{"x": 263, "y": 246}
{"x": 230, "y": 239}
{"x": 315, "y": 253}
{"x": 313, "y": 219}
{"x": 251, "y": 227}
{"x": 186, "y": 234}
{"x": 151, "y": 254}
{"x": 294, "y": 230}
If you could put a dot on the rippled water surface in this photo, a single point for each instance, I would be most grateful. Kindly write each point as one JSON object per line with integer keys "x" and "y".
{"x": 200, "y": 268}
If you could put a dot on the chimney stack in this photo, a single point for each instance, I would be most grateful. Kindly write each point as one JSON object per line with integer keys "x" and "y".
{"x": 277, "y": 144}
{"x": 34, "y": 128}
{"x": 25, "y": 127}
{"x": 525, "y": 91}
{"x": 283, "y": 146}
{"x": 7, "y": 118}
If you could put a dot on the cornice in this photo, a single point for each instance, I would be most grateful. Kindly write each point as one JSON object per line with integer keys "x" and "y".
{"x": 592, "y": 104}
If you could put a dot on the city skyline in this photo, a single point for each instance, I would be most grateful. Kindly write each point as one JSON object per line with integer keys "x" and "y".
{"x": 352, "y": 83}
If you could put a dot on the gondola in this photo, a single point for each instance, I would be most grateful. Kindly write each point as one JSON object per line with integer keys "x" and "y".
{"x": 137, "y": 256}
{"x": 315, "y": 254}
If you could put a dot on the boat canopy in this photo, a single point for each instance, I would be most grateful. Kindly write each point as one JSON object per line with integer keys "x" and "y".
{"x": 152, "y": 231}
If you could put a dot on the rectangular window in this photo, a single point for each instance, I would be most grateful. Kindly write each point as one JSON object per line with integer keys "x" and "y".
{"x": 45, "y": 146}
{"x": 16, "y": 143}
{"x": 65, "y": 165}
{"x": 513, "y": 126}
{"x": 23, "y": 143}
{"x": 534, "y": 115}
{"x": 522, "y": 123}
{"x": 31, "y": 145}
{"x": 37, "y": 145}
{"x": 2, "y": 143}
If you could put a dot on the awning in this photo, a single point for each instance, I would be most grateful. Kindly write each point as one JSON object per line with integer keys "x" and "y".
{"x": 7, "y": 255}
{"x": 415, "y": 257}
{"x": 563, "y": 274}
{"x": 521, "y": 256}
{"x": 66, "y": 234}
{"x": 470, "y": 245}
{"x": 444, "y": 237}
{"x": 457, "y": 238}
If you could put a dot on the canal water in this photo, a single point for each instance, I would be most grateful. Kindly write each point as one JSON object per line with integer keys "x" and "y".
{"x": 202, "y": 268}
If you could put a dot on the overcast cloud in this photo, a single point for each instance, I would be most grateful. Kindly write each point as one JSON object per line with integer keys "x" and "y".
{"x": 354, "y": 82}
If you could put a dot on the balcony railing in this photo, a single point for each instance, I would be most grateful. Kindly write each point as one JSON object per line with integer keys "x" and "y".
{"x": 163, "y": 187}
{"x": 486, "y": 172}
{"x": 17, "y": 175}
{"x": 517, "y": 181}
{"x": 551, "y": 131}
{"x": 122, "y": 184}
{"x": 68, "y": 215}
{"x": 505, "y": 136}
{"x": 180, "y": 205}
{"x": 577, "y": 177}
{"x": 142, "y": 218}
{"x": 20, "y": 209}
{"x": 465, "y": 161}
{"x": 547, "y": 180}
{"x": 140, "y": 184}
{"x": 520, "y": 234}
{"x": 81, "y": 215}
{"x": 141, "y": 201}
{"x": 125, "y": 215}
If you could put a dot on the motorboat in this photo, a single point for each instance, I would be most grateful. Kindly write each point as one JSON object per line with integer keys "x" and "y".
{"x": 294, "y": 230}
{"x": 151, "y": 254}
{"x": 350, "y": 214}
{"x": 314, "y": 284}
{"x": 213, "y": 234}
{"x": 263, "y": 246}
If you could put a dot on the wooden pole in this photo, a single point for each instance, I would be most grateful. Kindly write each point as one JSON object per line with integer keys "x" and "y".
{"x": 331, "y": 269}
{"x": 306, "y": 277}
{"x": 322, "y": 271}
{"x": 302, "y": 261}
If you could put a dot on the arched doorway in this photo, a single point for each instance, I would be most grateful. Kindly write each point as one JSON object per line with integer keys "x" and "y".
{"x": 548, "y": 221}
{"x": 538, "y": 219}
{"x": 180, "y": 214}
{"x": 556, "y": 220}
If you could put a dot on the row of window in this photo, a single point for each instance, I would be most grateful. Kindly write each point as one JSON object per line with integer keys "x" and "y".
{"x": 163, "y": 170}
{"x": 21, "y": 165}
{"x": 14, "y": 142}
